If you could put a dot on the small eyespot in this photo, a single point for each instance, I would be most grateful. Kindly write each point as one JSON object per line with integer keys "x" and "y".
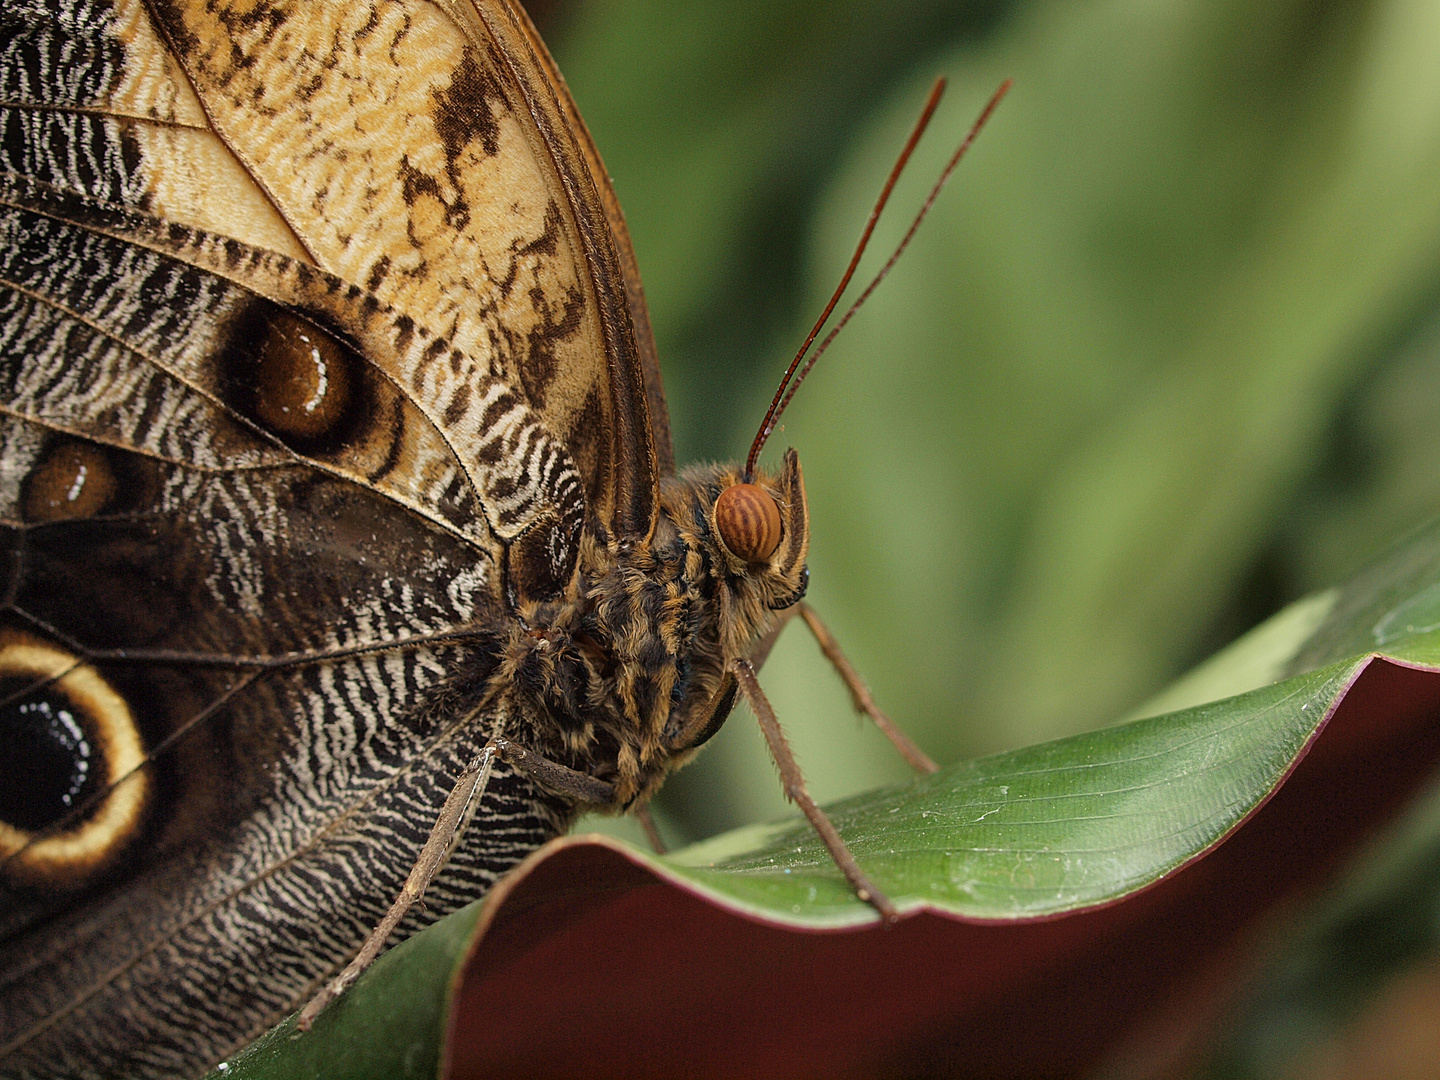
{"x": 76, "y": 787}
{"x": 74, "y": 480}
{"x": 748, "y": 521}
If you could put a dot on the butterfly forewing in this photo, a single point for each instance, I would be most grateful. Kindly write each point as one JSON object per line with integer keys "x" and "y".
{"x": 319, "y": 354}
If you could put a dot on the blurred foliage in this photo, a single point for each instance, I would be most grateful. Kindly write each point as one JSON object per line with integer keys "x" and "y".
{"x": 1165, "y": 357}
{"x": 1314, "y": 1010}
{"x": 721, "y": 124}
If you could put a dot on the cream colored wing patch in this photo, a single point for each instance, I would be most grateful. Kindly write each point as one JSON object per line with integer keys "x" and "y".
{"x": 398, "y": 148}
{"x": 391, "y": 145}
{"x": 181, "y": 170}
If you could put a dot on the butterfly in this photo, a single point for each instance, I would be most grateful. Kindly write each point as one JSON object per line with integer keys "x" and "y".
{"x": 344, "y": 540}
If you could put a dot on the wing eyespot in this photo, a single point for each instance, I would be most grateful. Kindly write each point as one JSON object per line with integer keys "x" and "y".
{"x": 294, "y": 379}
{"x": 302, "y": 379}
{"x": 76, "y": 789}
{"x": 71, "y": 482}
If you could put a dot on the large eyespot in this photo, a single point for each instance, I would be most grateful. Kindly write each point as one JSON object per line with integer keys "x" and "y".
{"x": 75, "y": 787}
{"x": 302, "y": 379}
{"x": 748, "y": 521}
{"x": 292, "y": 378}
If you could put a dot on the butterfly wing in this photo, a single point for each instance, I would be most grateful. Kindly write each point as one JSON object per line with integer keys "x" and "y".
{"x": 321, "y": 351}
{"x": 422, "y": 151}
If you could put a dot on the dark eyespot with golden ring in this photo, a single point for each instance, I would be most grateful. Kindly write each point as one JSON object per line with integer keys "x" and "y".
{"x": 748, "y": 521}
{"x": 76, "y": 788}
{"x": 73, "y": 481}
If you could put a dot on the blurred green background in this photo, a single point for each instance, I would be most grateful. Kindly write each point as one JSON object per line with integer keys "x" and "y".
{"x": 1165, "y": 357}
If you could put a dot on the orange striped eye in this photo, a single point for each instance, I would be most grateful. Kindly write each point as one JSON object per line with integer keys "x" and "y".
{"x": 748, "y": 521}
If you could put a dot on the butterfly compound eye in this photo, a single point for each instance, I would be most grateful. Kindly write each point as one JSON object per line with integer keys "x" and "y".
{"x": 748, "y": 521}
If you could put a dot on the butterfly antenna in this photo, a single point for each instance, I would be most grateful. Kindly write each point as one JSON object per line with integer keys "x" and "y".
{"x": 772, "y": 415}
{"x": 789, "y": 385}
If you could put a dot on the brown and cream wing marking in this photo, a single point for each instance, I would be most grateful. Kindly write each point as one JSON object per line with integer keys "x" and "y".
{"x": 419, "y": 151}
{"x": 319, "y": 349}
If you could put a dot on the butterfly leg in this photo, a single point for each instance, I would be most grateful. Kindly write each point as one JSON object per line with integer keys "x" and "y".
{"x": 454, "y": 816}
{"x": 578, "y": 787}
{"x": 647, "y": 822}
{"x": 860, "y": 693}
{"x": 799, "y": 794}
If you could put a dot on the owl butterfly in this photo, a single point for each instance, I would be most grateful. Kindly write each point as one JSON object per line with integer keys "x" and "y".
{"x": 338, "y": 501}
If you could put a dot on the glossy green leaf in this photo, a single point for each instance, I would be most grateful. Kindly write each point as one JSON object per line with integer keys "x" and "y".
{"x": 1038, "y": 831}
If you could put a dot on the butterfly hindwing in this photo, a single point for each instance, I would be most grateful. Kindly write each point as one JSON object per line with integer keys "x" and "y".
{"x": 319, "y": 354}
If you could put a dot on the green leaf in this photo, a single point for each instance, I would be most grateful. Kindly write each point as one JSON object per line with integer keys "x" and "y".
{"x": 1039, "y": 831}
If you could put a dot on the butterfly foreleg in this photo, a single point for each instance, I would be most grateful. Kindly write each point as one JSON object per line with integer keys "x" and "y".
{"x": 799, "y": 794}
{"x": 642, "y": 814}
{"x": 859, "y": 692}
{"x": 449, "y": 826}
{"x": 578, "y": 787}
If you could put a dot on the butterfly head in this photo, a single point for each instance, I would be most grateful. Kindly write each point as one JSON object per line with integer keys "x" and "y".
{"x": 728, "y": 554}
{"x": 758, "y": 534}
